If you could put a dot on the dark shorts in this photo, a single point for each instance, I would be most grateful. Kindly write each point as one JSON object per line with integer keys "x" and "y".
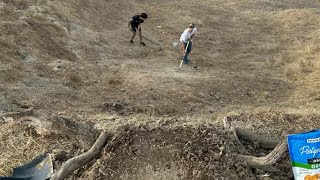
{"x": 134, "y": 29}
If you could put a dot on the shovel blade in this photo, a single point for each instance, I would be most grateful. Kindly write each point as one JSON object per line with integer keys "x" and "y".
{"x": 40, "y": 168}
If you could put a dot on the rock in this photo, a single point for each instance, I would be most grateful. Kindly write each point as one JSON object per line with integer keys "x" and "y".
{"x": 112, "y": 118}
{"x": 2, "y": 121}
{"x": 25, "y": 103}
{"x": 93, "y": 172}
{"x": 59, "y": 65}
{"x": 242, "y": 173}
{"x": 250, "y": 147}
{"x": 23, "y": 54}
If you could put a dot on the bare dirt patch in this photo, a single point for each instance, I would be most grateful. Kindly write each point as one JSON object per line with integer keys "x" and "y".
{"x": 204, "y": 152}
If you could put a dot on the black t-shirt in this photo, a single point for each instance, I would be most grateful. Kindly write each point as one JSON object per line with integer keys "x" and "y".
{"x": 136, "y": 21}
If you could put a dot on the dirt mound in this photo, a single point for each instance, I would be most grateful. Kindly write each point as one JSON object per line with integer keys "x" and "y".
{"x": 204, "y": 152}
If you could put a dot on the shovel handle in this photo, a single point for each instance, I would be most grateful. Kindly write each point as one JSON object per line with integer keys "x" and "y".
{"x": 185, "y": 51}
{"x": 181, "y": 64}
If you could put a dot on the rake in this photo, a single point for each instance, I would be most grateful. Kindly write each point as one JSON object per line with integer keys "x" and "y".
{"x": 152, "y": 42}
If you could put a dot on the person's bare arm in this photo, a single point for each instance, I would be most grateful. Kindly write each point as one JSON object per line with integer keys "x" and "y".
{"x": 191, "y": 38}
{"x": 129, "y": 23}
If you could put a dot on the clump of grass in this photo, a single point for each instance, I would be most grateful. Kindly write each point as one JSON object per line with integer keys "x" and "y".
{"x": 298, "y": 61}
{"x": 15, "y": 142}
{"x": 114, "y": 78}
{"x": 292, "y": 70}
{"x": 72, "y": 79}
{"x": 298, "y": 67}
{"x": 19, "y": 144}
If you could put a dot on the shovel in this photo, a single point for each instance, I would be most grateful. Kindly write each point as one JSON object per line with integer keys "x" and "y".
{"x": 185, "y": 51}
{"x": 40, "y": 168}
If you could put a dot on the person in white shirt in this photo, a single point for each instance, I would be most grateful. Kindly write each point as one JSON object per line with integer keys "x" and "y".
{"x": 186, "y": 39}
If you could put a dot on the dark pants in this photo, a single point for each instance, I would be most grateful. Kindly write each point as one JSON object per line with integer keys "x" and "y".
{"x": 188, "y": 50}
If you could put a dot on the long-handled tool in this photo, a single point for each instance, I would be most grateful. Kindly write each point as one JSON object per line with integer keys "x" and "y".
{"x": 152, "y": 42}
{"x": 142, "y": 43}
{"x": 185, "y": 51}
{"x": 149, "y": 40}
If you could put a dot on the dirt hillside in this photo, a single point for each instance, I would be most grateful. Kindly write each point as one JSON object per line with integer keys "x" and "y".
{"x": 256, "y": 61}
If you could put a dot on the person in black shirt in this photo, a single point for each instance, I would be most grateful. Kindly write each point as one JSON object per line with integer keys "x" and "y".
{"x": 135, "y": 25}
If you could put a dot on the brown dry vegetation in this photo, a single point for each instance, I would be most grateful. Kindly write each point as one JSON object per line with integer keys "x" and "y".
{"x": 257, "y": 61}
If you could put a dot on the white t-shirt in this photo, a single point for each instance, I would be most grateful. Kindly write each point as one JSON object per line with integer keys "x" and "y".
{"x": 187, "y": 35}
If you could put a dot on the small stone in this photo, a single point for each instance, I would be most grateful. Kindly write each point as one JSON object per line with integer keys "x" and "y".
{"x": 206, "y": 159}
{"x": 2, "y": 121}
{"x": 216, "y": 156}
{"x": 56, "y": 69}
{"x": 242, "y": 173}
{"x": 194, "y": 172}
{"x": 250, "y": 147}
{"x": 111, "y": 118}
{"x": 23, "y": 54}
{"x": 98, "y": 161}
{"x": 93, "y": 172}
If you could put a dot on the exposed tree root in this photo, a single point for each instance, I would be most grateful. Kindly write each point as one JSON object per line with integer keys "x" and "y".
{"x": 264, "y": 142}
{"x": 269, "y": 159}
{"x": 25, "y": 112}
{"x": 64, "y": 126}
{"x": 279, "y": 147}
{"x": 81, "y": 160}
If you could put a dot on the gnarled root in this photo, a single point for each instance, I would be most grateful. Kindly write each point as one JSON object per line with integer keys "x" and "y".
{"x": 81, "y": 160}
{"x": 279, "y": 148}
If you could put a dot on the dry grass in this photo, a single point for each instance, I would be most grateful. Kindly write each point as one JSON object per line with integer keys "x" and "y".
{"x": 114, "y": 79}
{"x": 72, "y": 79}
{"x": 300, "y": 60}
{"x": 19, "y": 144}
{"x": 299, "y": 54}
